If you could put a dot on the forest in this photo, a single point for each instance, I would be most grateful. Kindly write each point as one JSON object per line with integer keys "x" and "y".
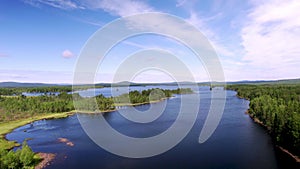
{"x": 277, "y": 107}
{"x": 22, "y": 158}
{"x": 13, "y": 107}
{"x": 49, "y": 90}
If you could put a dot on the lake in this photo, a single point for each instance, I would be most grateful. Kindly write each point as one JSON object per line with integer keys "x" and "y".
{"x": 237, "y": 143}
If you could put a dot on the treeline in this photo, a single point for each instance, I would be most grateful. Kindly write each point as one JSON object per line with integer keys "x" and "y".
{"x": 9, "y": 91}
{"x": 94, "y": 103}
{"x": 133, "y": 97}
{"x": 12, "y": 108}
{"x": 18, "y": 107}
{"x": 44, "y": 89}
{"x": 22, "y": 158}
{"x": 145, "y": 96}
{"x": 278, "y": 108}
{"x": 57, "y": 89}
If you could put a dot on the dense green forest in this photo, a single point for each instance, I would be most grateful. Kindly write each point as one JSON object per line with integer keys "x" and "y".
{"x": 50, "y": 90}
{"x": 22, "y": 158}
{"x": 278, "y": 108}
{"x": 20, "y": 106}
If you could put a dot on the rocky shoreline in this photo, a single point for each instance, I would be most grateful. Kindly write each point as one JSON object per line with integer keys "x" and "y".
{"x": 46, "y": 160}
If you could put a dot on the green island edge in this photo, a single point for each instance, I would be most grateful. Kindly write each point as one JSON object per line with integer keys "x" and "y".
{"x": 7, "y": 127}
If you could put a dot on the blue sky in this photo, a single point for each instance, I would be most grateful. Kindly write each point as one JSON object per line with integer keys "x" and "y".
{"x": 40, "y": 40}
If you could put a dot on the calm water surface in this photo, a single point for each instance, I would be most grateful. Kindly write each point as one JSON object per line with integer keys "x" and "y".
{"x": 237, "y": 143}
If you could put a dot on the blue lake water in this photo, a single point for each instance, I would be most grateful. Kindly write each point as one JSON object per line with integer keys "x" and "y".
{"x": 237, "y": 143}
{"x": 115, "y": 91}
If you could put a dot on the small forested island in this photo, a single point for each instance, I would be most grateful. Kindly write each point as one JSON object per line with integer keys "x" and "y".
{"x": 17, "y": 110}
{"x": 276, "y": 107}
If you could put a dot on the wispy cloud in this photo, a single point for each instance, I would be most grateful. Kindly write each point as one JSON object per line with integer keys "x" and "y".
{"x": 121, "y": 8}
{"x": 67, "y": 54}
{"x": 61, "y": 4}
{"x": 186, "y": 4}
{"x": 138, "y": 45}
{"x": 201, "y": 24}
{"x": 271, "y": 37}
{"x": 180, "y": 3}
{"x": 113, "y": 7}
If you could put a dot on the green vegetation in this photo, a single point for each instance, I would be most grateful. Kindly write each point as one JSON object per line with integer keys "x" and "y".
{"x": 8, "y": 126}
{"x": 278, "y": 108}
{"x": 13, "y": 108}
{"x": 50, "y": 90}
{"x": 131, "y": 98}
{"x": 20, "y": 90}
{"x": 22, "y": 158}
{"x": 147, "y": 96}
{"x": 11, "y": 159}
{"x": 17, "y": 110}
{"x": 20, "y": 107}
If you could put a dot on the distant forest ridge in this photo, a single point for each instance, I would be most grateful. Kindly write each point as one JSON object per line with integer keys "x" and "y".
{"x": 125, "y": 83}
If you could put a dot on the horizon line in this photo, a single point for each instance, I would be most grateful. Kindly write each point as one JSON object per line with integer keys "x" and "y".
{"x": 229, "y": 81}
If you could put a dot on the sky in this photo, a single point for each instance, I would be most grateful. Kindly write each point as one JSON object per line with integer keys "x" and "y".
{"x": 41, "y": 40}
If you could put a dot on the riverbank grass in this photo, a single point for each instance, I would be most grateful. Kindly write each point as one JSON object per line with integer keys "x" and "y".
{"x": 7, "y": 127}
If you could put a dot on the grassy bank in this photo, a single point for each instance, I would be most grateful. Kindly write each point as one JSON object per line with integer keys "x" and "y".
{"x": 7, "y": 127}
{"x": 19, "y": 110}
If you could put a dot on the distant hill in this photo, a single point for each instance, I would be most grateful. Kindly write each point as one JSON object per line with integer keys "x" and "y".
{"x": 17, "y": 84}
{"x": 283, "y": 81}
{"x": 126, "y": 83}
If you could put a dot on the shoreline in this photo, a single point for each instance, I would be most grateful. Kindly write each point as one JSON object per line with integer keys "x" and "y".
{"x": 46, "y": 158}
{"x": 8, "y": 127}
{"x": 287, "y": 152}
{"x": 256, "y": 120}
{"x": 120, "y": 104}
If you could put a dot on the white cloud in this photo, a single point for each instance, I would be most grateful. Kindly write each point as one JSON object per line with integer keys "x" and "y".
{"x": 271, "y": 38}
{"x": 201, "y": 24}
{"x": 61, "y": 4}
{"x": 113, "y": 7}
{"x": 138, "y": 45}
{"x": 67, "y": 54}
{"x": 198, "y": 22}
{"x": 121, "y": 8}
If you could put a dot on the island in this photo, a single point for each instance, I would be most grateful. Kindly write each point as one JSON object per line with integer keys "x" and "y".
{"x": 17, "y": 110}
